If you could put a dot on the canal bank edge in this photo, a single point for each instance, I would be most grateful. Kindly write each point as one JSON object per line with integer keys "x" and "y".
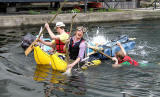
{"x": 22, "y": 20}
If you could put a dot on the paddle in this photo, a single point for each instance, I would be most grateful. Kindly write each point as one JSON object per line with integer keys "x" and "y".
{"x": 67, "y": 53}
{"x": 106, "y": 44}
{"x": 100, "y": 52}
{"x": 68, "y": 71}
{"x": 30, "y": 48}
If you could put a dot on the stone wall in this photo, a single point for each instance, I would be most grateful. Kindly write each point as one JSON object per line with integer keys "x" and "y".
{"x": 19, "y": 20}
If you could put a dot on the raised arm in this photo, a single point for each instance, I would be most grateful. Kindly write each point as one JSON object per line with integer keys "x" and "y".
{"x": 52, "y": 35}
{"x": 122, "y": 49}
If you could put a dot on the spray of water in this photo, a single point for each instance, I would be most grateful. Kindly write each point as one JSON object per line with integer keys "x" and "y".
{"x": 97, "y": 31}
{"x": 98, "y": 38}
{"x": 143, "y": 50}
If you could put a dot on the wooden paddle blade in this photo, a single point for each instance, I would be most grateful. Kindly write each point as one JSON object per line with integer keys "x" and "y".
{"x": 29, "y": 49}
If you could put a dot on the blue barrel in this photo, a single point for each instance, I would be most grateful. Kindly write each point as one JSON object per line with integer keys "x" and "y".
{"x": 127, "y": 46}
{"x": 112, "y": 50}
{"x": 131, "y": 45}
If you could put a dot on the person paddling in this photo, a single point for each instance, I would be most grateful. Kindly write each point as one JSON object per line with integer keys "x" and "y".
{"x": 57, "y": 40}
{"x": 77, "y": 47}
{"x": 121, "y": 58}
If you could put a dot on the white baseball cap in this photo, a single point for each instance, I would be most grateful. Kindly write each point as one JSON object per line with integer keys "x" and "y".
{"x": 60, "y": 24}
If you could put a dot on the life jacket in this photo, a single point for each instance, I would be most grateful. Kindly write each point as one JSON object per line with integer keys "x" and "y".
{"x": 74, "y": 49}
{"x": 130, "y": 60}
{"x": 60, "y": 45}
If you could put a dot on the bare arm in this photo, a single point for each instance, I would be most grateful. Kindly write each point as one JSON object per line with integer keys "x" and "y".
{"x": 74, "y": 63}
{"x": 52, "y": 35}
{"x": 116, "y": 65}
{"x": 123, "y": 50}
{"x": 46, "y": 43}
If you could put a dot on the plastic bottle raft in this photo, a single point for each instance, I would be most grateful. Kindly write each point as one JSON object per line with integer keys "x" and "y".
{"x": 111, "y": 48}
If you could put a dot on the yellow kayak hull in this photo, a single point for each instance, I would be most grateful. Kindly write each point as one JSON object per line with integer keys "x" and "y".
{"x": 44, "y": 58}
{"x": 57, "y": 63}
{"x": 41, "y": 57}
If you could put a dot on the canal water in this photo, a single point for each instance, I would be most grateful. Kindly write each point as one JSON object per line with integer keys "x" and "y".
{"x": 18, "y": 73}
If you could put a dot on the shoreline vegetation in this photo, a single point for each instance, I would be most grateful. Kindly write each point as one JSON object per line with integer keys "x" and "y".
{"x": 35, "y": 16}
{"x": 75, "y": 10}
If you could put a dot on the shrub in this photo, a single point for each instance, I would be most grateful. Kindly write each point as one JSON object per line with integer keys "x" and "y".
{"x": 53, "y": 12}
{"x": 33, "y": 12}
{"x": 91, "y": 9}
{"x": 76, "y": 10}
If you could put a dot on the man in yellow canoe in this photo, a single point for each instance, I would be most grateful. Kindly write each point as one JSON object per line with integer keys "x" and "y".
{"x": 58, "y": 41}
{"x": 77, "y": 47}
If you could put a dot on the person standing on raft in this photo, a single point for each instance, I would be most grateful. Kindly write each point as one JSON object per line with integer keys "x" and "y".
{"x": 121, "y": 58}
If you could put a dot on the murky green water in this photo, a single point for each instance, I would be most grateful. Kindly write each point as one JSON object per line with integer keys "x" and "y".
{"x": 17, "y": 70}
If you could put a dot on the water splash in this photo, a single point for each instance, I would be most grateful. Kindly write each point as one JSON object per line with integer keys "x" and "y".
{"x": 97, "y": 31}
{"x": 143, "y": 49}
{"x": 143, "y": 61}
{"x": 99, "y": 40}
{"x": 98, "y": 37}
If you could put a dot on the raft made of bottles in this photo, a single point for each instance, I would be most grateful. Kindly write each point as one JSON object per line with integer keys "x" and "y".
{"x": 111, "y": 48}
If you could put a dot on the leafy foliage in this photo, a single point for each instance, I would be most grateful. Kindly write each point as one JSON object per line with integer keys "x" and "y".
{"x": 33, "y": 12}
{"x": 76, "y": 10}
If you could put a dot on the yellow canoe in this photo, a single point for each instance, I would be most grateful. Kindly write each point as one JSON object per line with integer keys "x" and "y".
{"x": 44, "y": 58}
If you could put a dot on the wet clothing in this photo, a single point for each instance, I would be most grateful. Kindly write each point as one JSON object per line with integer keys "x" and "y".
{"x": 128, "y": 60}
{"x": 77, "y": 49}
{"x": 61, "y": 42}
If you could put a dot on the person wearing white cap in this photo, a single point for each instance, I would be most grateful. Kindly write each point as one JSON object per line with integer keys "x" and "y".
{"x": 57, "y": 40}
{"x": 60, "y": 24}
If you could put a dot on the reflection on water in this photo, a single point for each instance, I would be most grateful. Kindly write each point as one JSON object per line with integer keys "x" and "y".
{"x": 56, "y": 81}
